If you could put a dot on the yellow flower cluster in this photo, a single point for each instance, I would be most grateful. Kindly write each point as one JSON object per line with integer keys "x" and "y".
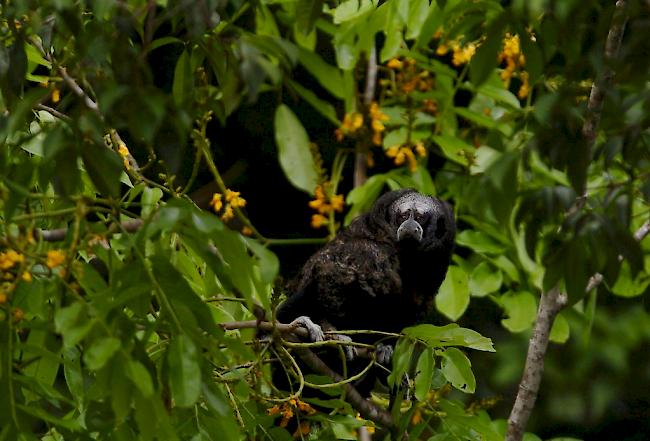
{"x": 352, "y": 122}
{"x": 123, "y": 150}
{"x": 233, "y": 200}
{"x": 54, "y": 258}
{"x": 408, "y": 77}
{"x": 325, "y": 204}
{"x": 514, "y": 60}
{"x": 10, "y": 258}
{"x": 287, "y": 410}
{"x": 460, "y": 54}
{"x": 377, "y": 118}
{"x": 404, "y": 154}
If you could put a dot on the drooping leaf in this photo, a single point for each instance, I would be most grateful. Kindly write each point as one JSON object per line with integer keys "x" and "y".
{"x": 457, "y": 369}
{"x": 296, "y": 158}
{"x": 453, "y": 295}
{"x": 184, "y": 371}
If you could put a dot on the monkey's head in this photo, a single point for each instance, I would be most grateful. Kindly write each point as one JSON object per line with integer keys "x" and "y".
{"x": 416, "y": 221}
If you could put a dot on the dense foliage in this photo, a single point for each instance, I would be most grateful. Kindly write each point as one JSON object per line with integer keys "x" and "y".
{"x": 165, "y": 164}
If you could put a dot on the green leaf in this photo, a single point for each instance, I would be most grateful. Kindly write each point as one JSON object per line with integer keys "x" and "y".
{"x": 455, "y": 149}
{"x": 104, "y": 168}
{"x": 453, "y": 296}
{"x": 628, "y": 286}
{"x": 479, "y": 242}
{"x": 294, "y": 151}
{"x": 351, "y": 9}
{"x": 269, "y": 262}
{"x": 100, "y": 352}
{"x": 560, "y": 331}
{"x": 449, "y": 335}
{"x": 140, "y": 377}
{"x": 323, "y": 107}
{"x": 457, "y": 369}
{"x": 401, "y": 360}
{"x": 183, "y": 81}
{"x": 184, "y": 371}
{"x": 424, "y": 375}
{"x": 484, "y": 121}
{"x": 521, "y": 309}
{"x": 485, "y": 60}
{"x": 327, "y": 75}
{"x": 484, "y": 280}
{"x": 500, "y": 94}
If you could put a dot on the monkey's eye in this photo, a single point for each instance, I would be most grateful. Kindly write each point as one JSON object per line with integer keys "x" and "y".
{"x": 422, "y": 218}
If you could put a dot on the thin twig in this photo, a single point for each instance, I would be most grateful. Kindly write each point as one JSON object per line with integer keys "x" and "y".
{"x": 53, "y": 112}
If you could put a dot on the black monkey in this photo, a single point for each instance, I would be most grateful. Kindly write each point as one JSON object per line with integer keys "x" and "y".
{"x": 379, "y": 273}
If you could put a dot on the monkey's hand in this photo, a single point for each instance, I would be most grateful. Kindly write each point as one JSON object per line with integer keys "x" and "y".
{"x": 315, "y": 332}
{"x": 350, "y": 351}
{"x": 384, "y": 353}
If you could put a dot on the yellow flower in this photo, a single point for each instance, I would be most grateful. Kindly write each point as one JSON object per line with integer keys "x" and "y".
{"x": 337, "y": 202}
{"x": 394, "y": 63}
{"x": 318, "y": 220}
{"x": 3, "y": 298}
{"x": 55, "y": 258}
{"x": 400, "y": 157}
{"x": 247, "y": 231}
{"x": 420, "y": 150}
{"x": 227, "y": 214}
{"x": 462, "y": 55}
{"x": 235, "y": 200}
{"x": 442, "y": 49}
{"x": 524, "y": 89}
{"x": 392, "y": 151}
{"x": 377, "y": 125}
{"x": 10, "y": 258}
{"x": 216, "y": 203}
{"x": 273, "y": 410}
{"x": 410, "y": 156}
{"x": 287, "y": 414}
{"x": 56, "y": 96}
{"x": 27, "y": 277}
{"x": 376, "y": 113}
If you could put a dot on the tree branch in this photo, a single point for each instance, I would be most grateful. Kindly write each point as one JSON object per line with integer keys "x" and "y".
{"x": 361, "y": 153}
{"x": 551, "y": 303}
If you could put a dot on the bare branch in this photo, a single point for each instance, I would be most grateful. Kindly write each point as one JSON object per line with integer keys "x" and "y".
{"x": 604, "y": 82}
{"x": 59, "y": 234}
{"x": 53, "y": 112}
{"x": 72, "y": 84}
{"x": 550, "y": 305}
{"x": 360, "y": 157}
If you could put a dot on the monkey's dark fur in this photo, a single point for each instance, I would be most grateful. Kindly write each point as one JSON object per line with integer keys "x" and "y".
{"x": 382, "y": 271}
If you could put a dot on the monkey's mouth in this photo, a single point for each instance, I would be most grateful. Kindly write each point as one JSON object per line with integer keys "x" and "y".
{"x": 410, "y": 230}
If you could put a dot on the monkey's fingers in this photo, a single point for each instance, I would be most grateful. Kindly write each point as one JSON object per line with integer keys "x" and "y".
{"x": 350, "y": 351}
{"x": 384, "y": 353}
{"x": 315, "y": 331}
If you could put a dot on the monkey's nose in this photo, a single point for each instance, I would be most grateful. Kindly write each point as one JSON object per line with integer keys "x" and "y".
{"x": 409, "y": 229}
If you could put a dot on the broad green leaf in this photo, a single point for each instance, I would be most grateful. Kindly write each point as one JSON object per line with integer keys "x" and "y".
{"x": 184, "y": 371}
{"x": 418, "y": 12}
{"x": 479, "y": 242}
{"x": 449, "y": 335}
{"x": 268, "y": 261}
{"x": 521, "y": 309}
{"x": 500, "y": 94}
{"x": 484, "y": 280}
{"x": 484, "y": 121}
{"x": 360, "y": 199}
{"x": 100, "y": 352}
{"x": 294, "y": 151}
{"x": 457, "y": 369}
{"x": 424, "y": 374}
{"x": 322, "y": 106}
{"x": 455, "y": 149}
{"x": 328, "y": 76}
{"x": 453, "y": 295}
